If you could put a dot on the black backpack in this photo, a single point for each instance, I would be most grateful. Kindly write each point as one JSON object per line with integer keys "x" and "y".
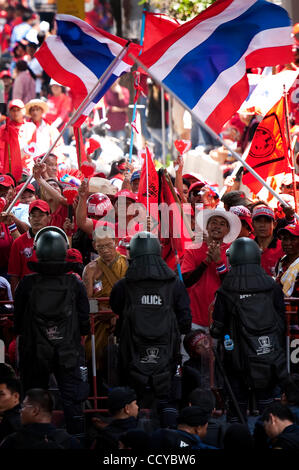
{"x": 258, "y": 335}
{"x": 149, "y": 339}
{"x": 54, "y": 326}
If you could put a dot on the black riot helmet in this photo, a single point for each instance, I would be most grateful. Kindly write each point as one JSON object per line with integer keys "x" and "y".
{"x": 51, "y": 244}
{"x": 244, "y": 251}
{"x": 144, "y": 243}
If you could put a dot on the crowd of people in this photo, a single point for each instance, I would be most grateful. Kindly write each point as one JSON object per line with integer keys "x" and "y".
{"x": 155, "y": 344}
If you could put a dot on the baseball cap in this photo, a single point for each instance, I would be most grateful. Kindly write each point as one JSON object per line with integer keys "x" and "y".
{"x": 29, "y": 187}
{"x": 135, "y": 175}
{"x": 16, "y": 103}
{"x": 5, "y": 73}
{"x": 193, "y": 416}
{"x": 7, "y": 181}
{"x": 73, "y": 256}
{"x": 126, "y": 193}
{"x": 291, "y": 228}
{"x": 39, "y": 204}
{"x": 243, "y": 213}
{"x": 191, "y": 174}
{"x": 119, "y": 397}
{"x": 198, "y": 185}
{"x": 263, "y": 210}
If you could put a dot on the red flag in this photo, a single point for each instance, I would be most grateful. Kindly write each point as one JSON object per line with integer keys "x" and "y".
{"x": 268, "y": 154}
{"x": 11, "y": 153}
{"x": 178, "y": 236}
{"x": 148, "y": 185}
{"x": 81, "y": 154}
{"x": 157, "y": 26}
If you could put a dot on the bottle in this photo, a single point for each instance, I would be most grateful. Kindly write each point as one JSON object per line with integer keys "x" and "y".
{"x": 177, "y": 383}
{"x": 228, "y": 343}
{"x": 97, "y": 287}
{"x": 84, "y": 373}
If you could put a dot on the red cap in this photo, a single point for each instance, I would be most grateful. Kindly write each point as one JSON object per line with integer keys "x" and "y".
{"x": 126, "y": 193}
{"x": 7, "y": 181}
{"x": 73, "y": 256}
{"x": 197, "y": 185}
{"x": 39, "y": 204}
{"x": 5, "y": 73}
{"x": 292, "y": 228}
{"x": 16, "y": 103}
{"x": 29, "y": 187}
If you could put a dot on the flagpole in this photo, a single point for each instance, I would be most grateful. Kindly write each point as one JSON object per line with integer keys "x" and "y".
{"x": 137, "y": 91}
{"x": 9, "y": 157}
{"x": 146, "y": 169}
{"x": 290, "y": 148}
{"x": 216, "y": 136}
{"x": 163, "y": 125}
{"x": 96, "y": 89}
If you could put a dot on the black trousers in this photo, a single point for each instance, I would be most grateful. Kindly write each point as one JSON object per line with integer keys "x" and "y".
{"x": 74, "y": 390}
{"x": 243, "y": 394}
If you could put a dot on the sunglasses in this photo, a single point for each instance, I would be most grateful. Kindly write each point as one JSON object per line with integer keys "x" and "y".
{"x": 196, "y": 193}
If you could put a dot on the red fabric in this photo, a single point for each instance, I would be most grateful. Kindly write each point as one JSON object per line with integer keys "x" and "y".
{"x": 157, "y": 26}
{"x": 81, "y": 154}
{"x": 6, "y": 241}
{"x": 10, "y": 153}
{"x": 21, "y": 252}
{"x": 58, "y": 217}
{"x": 268, "y": 150}
{"x": 178, "y": 233}
{"x": 5, "y": 37}
{"x": 270, "y": 256}
{"x": 58, "y": 106}
{"x": 153, "y": 182}
{"x": 202, "y": 293}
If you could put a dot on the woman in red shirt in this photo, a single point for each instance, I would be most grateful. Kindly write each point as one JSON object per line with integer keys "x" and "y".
{"x": 59, "y": 106}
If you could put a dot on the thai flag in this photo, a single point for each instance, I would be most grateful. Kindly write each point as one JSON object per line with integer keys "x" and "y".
{"x": 204, "y": 61}
{"x": 78, "y": 56}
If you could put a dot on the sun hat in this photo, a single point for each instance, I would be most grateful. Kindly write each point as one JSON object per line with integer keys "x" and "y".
{"x": 233, "y": 220}
{"x": 36, "y": 102}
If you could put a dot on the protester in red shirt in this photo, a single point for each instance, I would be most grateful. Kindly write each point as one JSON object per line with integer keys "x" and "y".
{"x": 263, "y": 221}
{"x": 59, "y": 106}
{"x": 51, "y": 191}
{"x": 116, "y": 101}
{"x": 203, "y": 265}
{"x": 244, "y": 215}
{"x": 7, "y": 191}
{"x": 22, "y": 248}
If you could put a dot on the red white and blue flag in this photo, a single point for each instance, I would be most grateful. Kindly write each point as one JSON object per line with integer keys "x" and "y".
{"x": 204, "y": 61}
{"x": 78, "y": 56}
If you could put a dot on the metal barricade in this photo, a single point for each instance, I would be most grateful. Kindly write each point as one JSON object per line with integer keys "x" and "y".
{"x": 292, "y": 327}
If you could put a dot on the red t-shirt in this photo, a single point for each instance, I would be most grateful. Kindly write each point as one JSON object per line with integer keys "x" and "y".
{"x": 271, "y": 255}
{"x": 21, "y": 252}
{"x": 58, "y": 106}
{"x": 202, "y": 293}
{"x": 58, "y": 217}
{"x": 6, "y": 241}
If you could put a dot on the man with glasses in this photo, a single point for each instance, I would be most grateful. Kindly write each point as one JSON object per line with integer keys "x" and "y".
{"x": 37, "y": 430}
{"x": 22, "y": 248}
